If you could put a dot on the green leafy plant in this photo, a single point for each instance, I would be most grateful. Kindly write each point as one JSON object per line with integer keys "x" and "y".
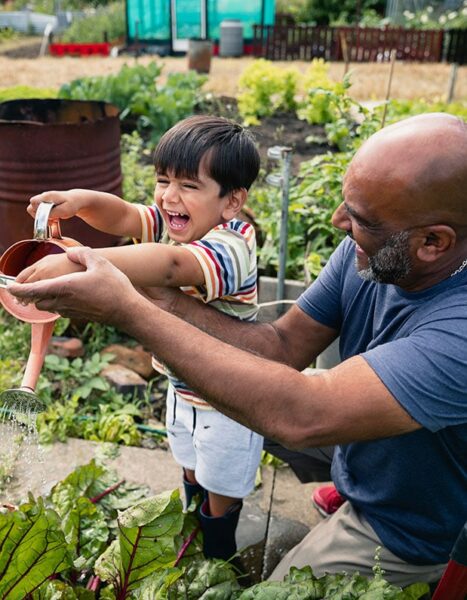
{"x": 266, "y": 89}
{"x": 15, "y": 337}
{"x": 301, "y": 584}
{"x": 49, "y": 6}
{"x": 78, "y": 377}
{"x": 59, "y": 421}
{"x": 10, "y": 373}
{"x": 315, "y": 107}
{"x": 23, "y": 91}
{"x": 96, "y": 336}
{"x": 401, "y": 109}
{"x": 113, "y": 426}
{"x": 138, "y": 177}
{"x": 81, "y": 403}
{"x": 102, "y": 24}
{"x": 313, "y": 198}
{"x": 7, "y": 34}
{"x": 323, "y": 12}
{"x": 32, "y": 547}
{"x": 114, "y": 422}
{"x": 328, "y": 103}
{"x": 144, "y": 104}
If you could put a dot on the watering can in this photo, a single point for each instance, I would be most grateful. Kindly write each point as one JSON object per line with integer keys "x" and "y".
{"x": 47, "y": 239}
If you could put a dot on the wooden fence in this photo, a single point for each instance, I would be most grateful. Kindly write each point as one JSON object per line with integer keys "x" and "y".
{"x": 362, "y": 44}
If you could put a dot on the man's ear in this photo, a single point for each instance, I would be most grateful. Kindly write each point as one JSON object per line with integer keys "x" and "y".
{"x": 235, "y": 202}
{"x": 436, "y": 240}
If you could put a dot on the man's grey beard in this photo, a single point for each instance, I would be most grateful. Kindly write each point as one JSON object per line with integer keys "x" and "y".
{"x": 391, "y": 263}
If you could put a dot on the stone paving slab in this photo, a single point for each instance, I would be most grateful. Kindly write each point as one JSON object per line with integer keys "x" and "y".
{"x": 275, "y": 517}
{"x": 292, "y": 515}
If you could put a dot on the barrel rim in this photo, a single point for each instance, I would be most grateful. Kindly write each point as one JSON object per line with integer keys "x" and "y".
{"x": 110, "y": 111}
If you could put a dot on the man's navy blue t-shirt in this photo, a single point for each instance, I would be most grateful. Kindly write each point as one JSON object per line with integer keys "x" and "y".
{"x": 411, "y": 488}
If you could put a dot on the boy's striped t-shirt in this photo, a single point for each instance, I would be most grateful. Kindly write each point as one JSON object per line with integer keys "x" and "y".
{"x": 227, "y": 256}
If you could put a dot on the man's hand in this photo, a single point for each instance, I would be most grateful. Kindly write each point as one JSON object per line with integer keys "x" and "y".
{"x": 100, "y": 293}
{"x": 48, "y": 267}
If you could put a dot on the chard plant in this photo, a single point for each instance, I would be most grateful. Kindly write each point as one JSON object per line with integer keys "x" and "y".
{"x": 95, "y": 537}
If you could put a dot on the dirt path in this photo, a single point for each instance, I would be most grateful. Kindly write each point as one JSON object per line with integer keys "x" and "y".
{"x": 429, "y": 81}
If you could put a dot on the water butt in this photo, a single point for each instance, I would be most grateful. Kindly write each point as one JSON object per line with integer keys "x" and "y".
{"x": 56, "y": 145}
{"x": 199, "y": 55}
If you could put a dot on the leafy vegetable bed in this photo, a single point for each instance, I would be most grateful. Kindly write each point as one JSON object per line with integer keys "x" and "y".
{"x": 97, "y": 537}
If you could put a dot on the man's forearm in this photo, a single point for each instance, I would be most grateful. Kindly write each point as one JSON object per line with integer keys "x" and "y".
{"x": 343, "y": 404}
{"x": 262, "y": 339}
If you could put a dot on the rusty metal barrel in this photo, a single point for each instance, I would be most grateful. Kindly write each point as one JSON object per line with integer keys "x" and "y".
{"x": 56, "y": 145}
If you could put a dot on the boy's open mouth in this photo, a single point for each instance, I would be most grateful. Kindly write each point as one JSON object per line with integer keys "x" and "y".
{"x": 177, "y": 220}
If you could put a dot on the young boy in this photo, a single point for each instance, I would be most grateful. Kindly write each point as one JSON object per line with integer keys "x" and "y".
{"x": 204, "y": 168}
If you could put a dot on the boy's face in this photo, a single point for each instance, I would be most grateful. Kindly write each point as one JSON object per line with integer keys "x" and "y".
{"x": 190, "y": 208}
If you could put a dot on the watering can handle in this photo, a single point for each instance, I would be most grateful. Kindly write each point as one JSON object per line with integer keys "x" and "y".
{"x": 42, "y": 230}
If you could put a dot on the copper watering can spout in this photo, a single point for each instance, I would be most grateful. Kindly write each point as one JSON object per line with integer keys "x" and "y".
{"x": 47, "y": 240}
{"x": 24, "y": 398}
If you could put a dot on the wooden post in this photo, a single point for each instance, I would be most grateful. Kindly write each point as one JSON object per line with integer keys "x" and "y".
{"x": 452, "y": 82}
{"x": 345, "y": 52}
{"x": 388, "y": 91}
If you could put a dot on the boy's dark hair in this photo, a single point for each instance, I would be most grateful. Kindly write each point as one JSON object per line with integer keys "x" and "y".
{"x": 230, "y": 153}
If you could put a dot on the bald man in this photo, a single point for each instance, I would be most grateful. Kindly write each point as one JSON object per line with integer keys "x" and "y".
{"x": 395, "y": 290}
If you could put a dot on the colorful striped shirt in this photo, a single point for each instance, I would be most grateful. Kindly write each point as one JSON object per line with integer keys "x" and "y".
{"x": 227, "y": 256}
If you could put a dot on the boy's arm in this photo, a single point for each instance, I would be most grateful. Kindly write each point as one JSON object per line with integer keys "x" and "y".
{"x": 146, "y": 265}
{"x": 103, "y": 211}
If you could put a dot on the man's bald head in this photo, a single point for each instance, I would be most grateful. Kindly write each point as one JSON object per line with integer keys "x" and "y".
{"x": 417, "y": 170}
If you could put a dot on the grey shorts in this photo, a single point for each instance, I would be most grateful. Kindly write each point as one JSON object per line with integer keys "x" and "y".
{"x": 345, "y": 541}
{"x": 223, "y": 454}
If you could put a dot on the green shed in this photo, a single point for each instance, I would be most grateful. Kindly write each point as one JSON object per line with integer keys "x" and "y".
{"x": 167, "y": 25}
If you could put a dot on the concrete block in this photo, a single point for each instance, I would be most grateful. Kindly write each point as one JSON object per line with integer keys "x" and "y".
{"x": 155, "y": 469}
{"x": 253, "y": 526}
{"x": 66, "y": 347}
{"x": 136, "y": 359}
{"x": 292, "y": 515}
{"x": 267, "y": 292}
{"x": 124, "y": 380}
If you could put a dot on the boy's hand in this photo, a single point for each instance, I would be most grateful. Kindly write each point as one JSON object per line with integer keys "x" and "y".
{"x": 67, "y": 204}
{"x": 49, "y": 267}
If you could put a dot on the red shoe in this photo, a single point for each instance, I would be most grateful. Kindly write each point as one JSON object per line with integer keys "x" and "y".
{"x": 327, "y": 500}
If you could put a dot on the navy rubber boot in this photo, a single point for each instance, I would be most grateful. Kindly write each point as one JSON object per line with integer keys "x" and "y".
{"x": 192, "y": 490}
{"x": 219, "y": 532}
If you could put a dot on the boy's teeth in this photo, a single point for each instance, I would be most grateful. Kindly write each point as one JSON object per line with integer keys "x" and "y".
{"x": 178, "y": 220}
{"x": 175, "y": 214}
